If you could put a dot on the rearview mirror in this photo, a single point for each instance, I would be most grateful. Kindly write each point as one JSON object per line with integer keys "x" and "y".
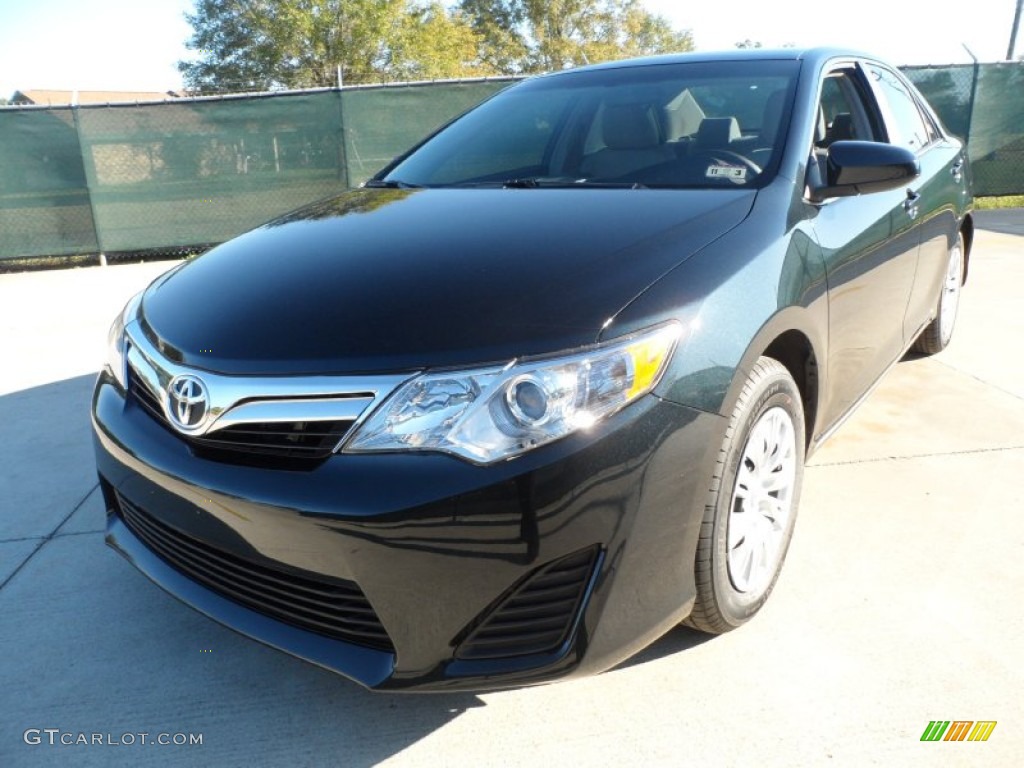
{"x": 861, "y": 167}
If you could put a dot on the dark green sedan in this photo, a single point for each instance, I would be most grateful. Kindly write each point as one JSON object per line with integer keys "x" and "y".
{"x": 543, "y": 388}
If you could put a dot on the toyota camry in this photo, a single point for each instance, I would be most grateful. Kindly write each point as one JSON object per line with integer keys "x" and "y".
{"x": 543, "y": 388}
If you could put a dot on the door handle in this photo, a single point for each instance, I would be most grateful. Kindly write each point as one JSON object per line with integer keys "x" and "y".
{"x": 958, "y": 170}
{"x": 910, "y": 204}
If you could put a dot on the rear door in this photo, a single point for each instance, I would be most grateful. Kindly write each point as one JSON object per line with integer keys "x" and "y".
{"x": 870, "y": 246}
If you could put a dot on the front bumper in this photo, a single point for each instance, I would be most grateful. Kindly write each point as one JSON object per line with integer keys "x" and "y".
{"x": 439, "y": 548}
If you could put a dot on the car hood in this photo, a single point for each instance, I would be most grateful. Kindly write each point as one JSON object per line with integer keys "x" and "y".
{"x": 395, "y": 280}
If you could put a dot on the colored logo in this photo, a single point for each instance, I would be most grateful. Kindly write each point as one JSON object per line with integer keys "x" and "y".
{"x": 958, "y": 730}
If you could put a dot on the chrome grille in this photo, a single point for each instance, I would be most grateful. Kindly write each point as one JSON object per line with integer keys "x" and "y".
{"x": 276, "y": 422}
{"x": 310, "y": 441}
{"x": 330, "y": 607}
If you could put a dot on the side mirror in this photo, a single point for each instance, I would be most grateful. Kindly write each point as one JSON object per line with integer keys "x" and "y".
{"x": 861, "y": 167}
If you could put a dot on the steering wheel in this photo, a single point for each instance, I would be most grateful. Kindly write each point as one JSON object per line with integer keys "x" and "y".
{"x": 729, "y": 158}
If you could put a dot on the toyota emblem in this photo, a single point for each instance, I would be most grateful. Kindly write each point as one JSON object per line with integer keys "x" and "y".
{"x": 188, "y": 402}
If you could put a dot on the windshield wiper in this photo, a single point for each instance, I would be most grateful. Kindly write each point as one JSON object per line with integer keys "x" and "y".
{"x": 539, "y": 183}
{"x": 521, "y": 183}
{"x": 390, "y": 184}
{"x": 610, "y": 184}
{"x": 569, "y": 184}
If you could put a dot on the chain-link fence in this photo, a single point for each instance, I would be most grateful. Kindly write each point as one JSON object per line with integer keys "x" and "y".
{"x": 44, "y": 198}
{"x": 193, "y": 172}
{"x": 983, "y": 104}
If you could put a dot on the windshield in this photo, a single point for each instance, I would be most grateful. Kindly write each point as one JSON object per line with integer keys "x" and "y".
{"x": 700, "y": 124}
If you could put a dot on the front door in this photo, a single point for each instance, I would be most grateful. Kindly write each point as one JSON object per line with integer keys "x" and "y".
{"x": 870, "y": 246}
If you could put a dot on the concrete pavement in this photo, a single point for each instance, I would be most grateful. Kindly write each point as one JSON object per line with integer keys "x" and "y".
{"x": 897, "y": 604}
{"x": 1006, "y": 220}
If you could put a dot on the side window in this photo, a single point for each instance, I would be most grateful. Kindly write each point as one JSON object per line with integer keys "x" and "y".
{"x": 843, "y": 113}
{"x": 833, "y": 100}
{"x": 907, "y": 127}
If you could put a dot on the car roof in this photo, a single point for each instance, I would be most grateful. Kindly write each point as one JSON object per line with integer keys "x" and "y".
{"x": 810, "y": 55}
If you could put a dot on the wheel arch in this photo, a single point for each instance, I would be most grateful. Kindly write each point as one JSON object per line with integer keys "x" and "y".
{"x": 790, "y": 339}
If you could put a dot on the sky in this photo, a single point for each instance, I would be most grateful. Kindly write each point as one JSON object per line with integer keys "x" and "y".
{"x": 134, "y": 44}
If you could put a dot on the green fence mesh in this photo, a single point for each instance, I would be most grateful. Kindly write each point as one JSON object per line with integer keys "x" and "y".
{"x": 202, "y": 171}
{"x": 195, "y": 172}
{"x": 985, "y": 105}
{"x": 44, "y": 200}
{"x": 997, "y": 130}
{"x": 950, "y": 90}
{"x": 380, "y": 123}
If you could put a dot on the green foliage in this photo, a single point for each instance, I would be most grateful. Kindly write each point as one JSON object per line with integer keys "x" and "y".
{"x": 265, "y": 44}
{"x": 436, "y": 44}
{"x": 499, "y": 27}
{"x": 1006, "y": 201}
{"x": 254, "y": 45}
{"x": 525, "y": 36}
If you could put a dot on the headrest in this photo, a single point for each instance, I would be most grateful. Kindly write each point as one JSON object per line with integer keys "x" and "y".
{"x": 842, "y": 127}
{"x": 630, "y": 126}
{"x": 717, "y": 132}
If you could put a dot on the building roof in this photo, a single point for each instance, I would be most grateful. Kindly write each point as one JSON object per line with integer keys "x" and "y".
{"x": 56, "y": 98}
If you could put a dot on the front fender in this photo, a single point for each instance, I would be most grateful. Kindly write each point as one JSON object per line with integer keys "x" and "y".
{"x": 737, "y": 298}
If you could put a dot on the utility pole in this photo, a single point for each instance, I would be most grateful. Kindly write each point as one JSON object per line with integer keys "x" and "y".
{"x": 1013, "y": 31}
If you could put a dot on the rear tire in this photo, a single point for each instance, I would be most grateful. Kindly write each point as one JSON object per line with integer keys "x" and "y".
{"x": 752, "y": 501}
{"x": 937, "y": 335}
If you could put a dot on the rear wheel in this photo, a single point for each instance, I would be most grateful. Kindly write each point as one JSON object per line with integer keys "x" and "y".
{"x": 752, "y": 501}
{"x": 937, "y": 335}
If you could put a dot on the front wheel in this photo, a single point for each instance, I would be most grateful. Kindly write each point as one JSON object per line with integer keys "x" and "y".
{"x": 752, "y": 501}
{"x": 937, "y": 335}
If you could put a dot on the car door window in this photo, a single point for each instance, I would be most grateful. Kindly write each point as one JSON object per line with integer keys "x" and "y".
{"x": 907, "y": 126}
{"x": 843, "y": 112}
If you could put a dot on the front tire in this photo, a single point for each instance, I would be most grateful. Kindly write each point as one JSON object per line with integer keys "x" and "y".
{"x": 752, "y": 501}
{"x": 937, "y": 335}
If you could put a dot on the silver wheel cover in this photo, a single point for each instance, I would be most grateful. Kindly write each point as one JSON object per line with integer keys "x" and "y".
{"x": 762, "y": 502}
{"x": 950, "y": 299}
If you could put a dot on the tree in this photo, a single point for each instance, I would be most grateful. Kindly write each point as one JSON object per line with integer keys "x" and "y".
{"x": 633, "y": 31}
{"x": 255, "y": 45}
{"x": 265, "y": 44}
{"x": 499, "y": 28}
{"x": 436, "y": 44}
{"x": 523, "y": 36}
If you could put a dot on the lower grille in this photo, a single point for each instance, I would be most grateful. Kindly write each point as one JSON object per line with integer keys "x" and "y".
{"x": 335, "y": 608}
{"x": 254, "y": 444}
{"x": 538, "y": 615}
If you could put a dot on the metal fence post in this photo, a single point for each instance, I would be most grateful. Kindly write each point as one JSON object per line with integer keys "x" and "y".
{"x": 975, "y": 75}
{"x": 1013, "y": 32}
{"x": 343, "y": 174}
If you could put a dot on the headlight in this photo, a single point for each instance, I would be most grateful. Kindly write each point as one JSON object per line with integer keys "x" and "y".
{"x": 490, "y": 414}
{"x": 116, "y": 351}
